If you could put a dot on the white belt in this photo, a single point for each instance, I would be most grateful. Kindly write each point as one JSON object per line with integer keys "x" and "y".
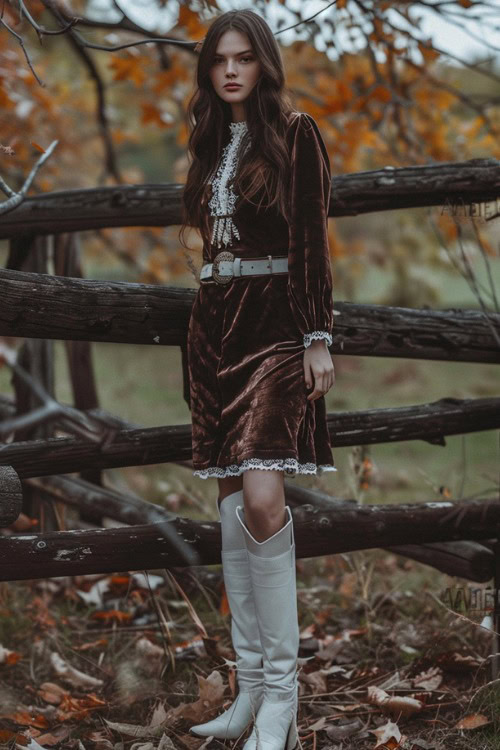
{"x": 225, "y": 267}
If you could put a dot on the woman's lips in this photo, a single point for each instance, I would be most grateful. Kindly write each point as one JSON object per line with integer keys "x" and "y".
{"x": 233, "y": 86}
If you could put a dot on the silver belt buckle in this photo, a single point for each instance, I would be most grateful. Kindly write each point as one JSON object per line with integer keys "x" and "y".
{"x": 217, "y": 277}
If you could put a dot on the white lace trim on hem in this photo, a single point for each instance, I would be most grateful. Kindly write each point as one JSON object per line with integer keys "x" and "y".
{"x": 308, "y": 337}
{"x": 289, "y": 465}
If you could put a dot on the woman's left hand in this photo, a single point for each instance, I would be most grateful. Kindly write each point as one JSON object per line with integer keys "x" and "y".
{"x": 318, "y": 369}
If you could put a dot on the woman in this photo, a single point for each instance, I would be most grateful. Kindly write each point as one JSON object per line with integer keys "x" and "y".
{"x": 258, "y": 189}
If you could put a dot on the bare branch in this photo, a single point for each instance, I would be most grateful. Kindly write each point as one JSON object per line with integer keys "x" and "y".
{"x": 15, "y": 199}
{"x": 89, "y": 428}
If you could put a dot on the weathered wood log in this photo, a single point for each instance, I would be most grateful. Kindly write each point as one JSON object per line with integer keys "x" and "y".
{"x": 101, "y": 501}
{"x": 36, "y": 357}
{"x": 469, "y": 560}
{"x": 94, "y": 501}
{"x": 317, "y": 532}
{"x": 11, "y": 496}
{"x": 44, "y": 306}
{"x": 465, "y": 559}
{"x": 68, "y": 262}
{"x": 446, "y": 184}
{"x": 153, "y": 445}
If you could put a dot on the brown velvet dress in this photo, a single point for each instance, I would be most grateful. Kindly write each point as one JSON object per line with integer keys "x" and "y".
{"x": 246, "y": 339}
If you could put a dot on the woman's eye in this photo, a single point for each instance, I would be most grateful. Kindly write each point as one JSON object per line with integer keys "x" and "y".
{"x": 248, "y": 59}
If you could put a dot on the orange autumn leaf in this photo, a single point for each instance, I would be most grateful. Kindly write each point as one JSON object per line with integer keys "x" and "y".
{"x": 112, "y": 614}
{"x": 101, "y": 642}
{"x": 224, "y": 604}
{"x": 52, "y": 693}
{"x": 165, "y": 79}
{"x": 151, "y": 113}
{"x": 120, "y": 580}
{"x": 6, "y": 736}
{"x": 381, "y": 93}
{"x": 427, "y": 52}
{"x": 23, "y": 523}
{"x": 196, "y": 642}
{"x": 12, "y": 658}
{"x": 189, "y": 19}
{"x": 38, "y": 147}
{"x": 72, "y": 708}
{"x": 472, "y": 721}
{"x": 27, "y": 719}
{"x": 127, "y": 68}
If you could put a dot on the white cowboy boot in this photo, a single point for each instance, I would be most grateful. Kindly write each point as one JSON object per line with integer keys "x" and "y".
{"x": 244, "y": 629}
{"x": 272, "y": 570}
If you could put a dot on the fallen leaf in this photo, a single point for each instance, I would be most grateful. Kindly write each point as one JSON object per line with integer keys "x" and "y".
{"x": 100, "y": 643}
{"x": 166, "y": 743}
{"x": 388, "y": 733}
{"x": 54, "y": 737}
{"x": 397, "y": 705}
{"x": 8, "y": 657}
{"x": 72, "y": 708}
{"x": 134, "y": 730}
{"x": 23, "y": 523}
{"x": 72, "y": 675}
{"x": 320, "y": 724}
{"x": 316, "y": 681}
{"x": 112, "y": 614}
{"x": 142, "y": 580}
{"x": 344, "y": 731}
{"x": 452, "y": 661}
{"x": 52, "y": 693}
{"x": 159, "y": 716}
{"x": 148, "y": 649}
{"x": 472, "y": 721}
{"x": 95, "y": 594}
{"x": 32, "y": 745}
{"x": 26, "y": 718}
{"x": 429, "y": 680}
{"x": 211, "y": 696}
{"x": 7, "y": 735}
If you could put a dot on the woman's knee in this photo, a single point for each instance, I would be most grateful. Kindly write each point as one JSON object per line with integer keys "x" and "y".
{"x": 264, "y": 494}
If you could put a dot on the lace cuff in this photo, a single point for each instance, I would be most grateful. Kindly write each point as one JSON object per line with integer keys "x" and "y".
{"x": 308, "y": 337}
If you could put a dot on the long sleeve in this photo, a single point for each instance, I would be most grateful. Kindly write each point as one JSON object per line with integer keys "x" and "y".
{"x": 310, "y": 283}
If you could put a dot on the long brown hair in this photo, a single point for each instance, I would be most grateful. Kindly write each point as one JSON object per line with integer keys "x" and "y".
{"x": 264, "y": 168}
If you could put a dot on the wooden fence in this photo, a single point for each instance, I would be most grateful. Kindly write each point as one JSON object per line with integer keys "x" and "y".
{"x": 459, "y": 538}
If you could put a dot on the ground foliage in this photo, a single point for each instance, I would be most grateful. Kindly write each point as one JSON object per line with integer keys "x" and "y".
{"x": 388, "y": 658}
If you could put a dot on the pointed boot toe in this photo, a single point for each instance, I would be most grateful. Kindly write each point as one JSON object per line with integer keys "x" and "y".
{"x": 233, "y": 722}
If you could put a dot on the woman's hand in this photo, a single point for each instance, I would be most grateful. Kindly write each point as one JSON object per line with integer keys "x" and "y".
{"x": 318, "y": 369}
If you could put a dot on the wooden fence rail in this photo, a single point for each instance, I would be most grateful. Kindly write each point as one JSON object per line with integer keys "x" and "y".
{"x": 445, "y": 184}
{"x": 40, "y": 305}
{"x": 114, "y": 447}
{"x": 318, "y": 531}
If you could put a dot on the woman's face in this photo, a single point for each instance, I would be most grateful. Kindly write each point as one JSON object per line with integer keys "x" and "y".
{"x": 234, "y": 61}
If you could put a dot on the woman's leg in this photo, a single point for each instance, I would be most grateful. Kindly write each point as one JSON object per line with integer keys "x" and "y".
{"x": 264, "y": 502}
{"x": 268, "y": 531}
{"x": 244, "y": 627}
{"x": 228, "y": 485}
